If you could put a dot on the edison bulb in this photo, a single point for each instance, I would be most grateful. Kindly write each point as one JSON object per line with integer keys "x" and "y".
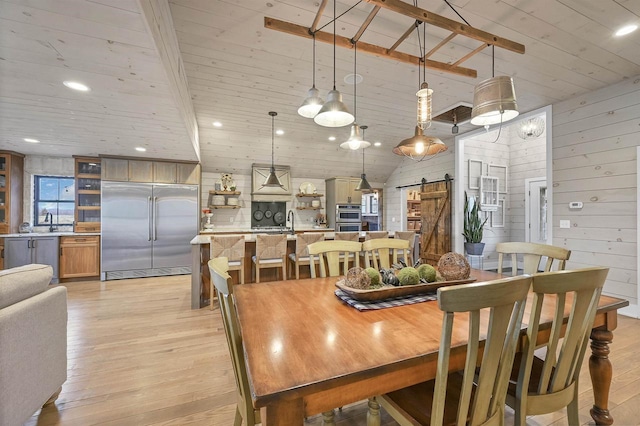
{"x": 420, "y": 147}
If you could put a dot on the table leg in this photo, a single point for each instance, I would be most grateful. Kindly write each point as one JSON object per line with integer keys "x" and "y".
{"x": 601, "y": 373}
{"x": 283, "y": 413}
{"x": 373, "y": 414}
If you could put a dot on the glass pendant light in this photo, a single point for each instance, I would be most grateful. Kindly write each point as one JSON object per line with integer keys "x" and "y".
{"x": 531, "y": 128}
{"x": 313, "y": 102}
{"x": 363, "y": 185}
{"x": 272, "y": 180}
{"x": 494, "y": 99}
{"x": 334, "y": 112}
{"x": 424, "y": 94}
{"x": 355, "y": 141}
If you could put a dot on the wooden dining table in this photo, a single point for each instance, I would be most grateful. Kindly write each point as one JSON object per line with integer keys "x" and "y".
{"x": 308, "y": 352}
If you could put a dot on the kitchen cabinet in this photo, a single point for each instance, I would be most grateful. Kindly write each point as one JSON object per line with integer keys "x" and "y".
{"x": 88, "y": 179}
{"x": 79, "y": 256}
{"x": 25, "y": 250}
{"x": 11, "y": 189}
{"x": 1, "y": 254}
{"x": 143, "y": 171}
{"x": 342, "y": 190}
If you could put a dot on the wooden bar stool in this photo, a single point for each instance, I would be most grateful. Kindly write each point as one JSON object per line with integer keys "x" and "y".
{"x": 271, "y": 252}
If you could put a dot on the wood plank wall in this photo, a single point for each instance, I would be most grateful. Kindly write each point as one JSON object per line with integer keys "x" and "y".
{"x": 594, "y": 161}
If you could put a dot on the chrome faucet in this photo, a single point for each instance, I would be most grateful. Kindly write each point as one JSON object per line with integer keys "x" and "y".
{"x": 290, "y": 218}
{"x": 48, "y": 218}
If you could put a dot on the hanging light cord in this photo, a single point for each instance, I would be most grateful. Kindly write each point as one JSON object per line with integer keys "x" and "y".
{"x": 314, "y": 59}
{"x": 273, "y": 117}
{"x": 334, "y": 44}
{"x": 493, "y": 61}
{"x": 355, "y": 61}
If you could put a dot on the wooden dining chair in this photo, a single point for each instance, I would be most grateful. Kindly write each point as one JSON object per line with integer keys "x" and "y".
{"x": 222, "y": 282}
{"x": 330, "y": 255}
{"x": 544, "y": 385}
{"x": 531, "y": 254}
{"x": 382, "y": 252}
{"x": 301, "y": 256}
{"x": 493, "y": 309}
{"x": 232, "y": 247}
{"x": 411, "y": 237}
{"x": 271, "y": 252}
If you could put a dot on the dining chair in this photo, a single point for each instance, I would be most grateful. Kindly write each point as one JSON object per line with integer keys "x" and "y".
{"x": 349, "y": 236}
{"x": 532, "y": 254}
{"x": 372, "y": 235}
{"x": 411, "y": 237}
{"x": 545, "y": 385}
{"x": 301, "y": 256}
{"x": 224, "y": 287}
{"x": 271, "y": 252}
{"x": 382, "y": 252}
{"x": 493, "y": 309}
{"x": 330, "y": 255}
{"x": 231, "y": 247}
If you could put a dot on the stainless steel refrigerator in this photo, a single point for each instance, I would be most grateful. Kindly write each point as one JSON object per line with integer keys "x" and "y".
{"x": 146, "y": 229}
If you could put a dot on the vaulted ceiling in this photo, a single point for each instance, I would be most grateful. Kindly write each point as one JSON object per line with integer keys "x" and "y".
{"x": 237, "y": 70}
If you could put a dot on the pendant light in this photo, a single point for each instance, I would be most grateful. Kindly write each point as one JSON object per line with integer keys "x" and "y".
{"x": 363, "y": 185}
{"x": 313, "y": 102}
{"x": 334, "y": 112}
{"x": 355, "y": 141}
{"x": 494, "y": 99}
{"x": 424, "y": 94}
{"x": 531, "y": 128}
{"x": 272, "y": 180}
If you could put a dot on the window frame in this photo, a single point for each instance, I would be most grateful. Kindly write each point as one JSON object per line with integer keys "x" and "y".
{"x": 37, "y": 200}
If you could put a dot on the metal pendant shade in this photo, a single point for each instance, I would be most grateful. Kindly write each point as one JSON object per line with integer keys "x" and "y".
{"x": 272, "y": 180}
{"x": 420, "y": 146}
{"x": 494, "y": 101}
{"x": 311, "y": 104}
{"x": 334, "y": 112}
{"x": 355, "y": 141}
{"x": 363, "y": 185}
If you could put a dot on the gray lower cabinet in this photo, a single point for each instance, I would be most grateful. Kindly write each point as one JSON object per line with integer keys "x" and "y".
{"x": 20, "y": 251}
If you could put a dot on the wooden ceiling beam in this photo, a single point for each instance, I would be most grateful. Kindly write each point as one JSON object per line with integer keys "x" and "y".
{"x": 301, "y": 31}
{"x": 439, "y": 45}
{"x": 431, "y": 18}
{"x": 365, "y": 24}
{"x": 404, "y": 36}
{"x": 470, "y": 54}
{"x": 314, "y": 26}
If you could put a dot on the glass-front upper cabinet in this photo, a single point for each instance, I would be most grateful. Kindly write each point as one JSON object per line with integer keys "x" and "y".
{"x": 88, "y": 180}
{"x": 11, "y": 171}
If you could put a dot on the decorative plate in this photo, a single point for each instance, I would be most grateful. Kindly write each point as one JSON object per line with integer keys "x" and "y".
{"x": 279, "y": 218}
{"x": 307, "y": 188}
{"x": 388, "y": 292}
{"x": 258, "y": 215}
{"x": 268, "y": 214}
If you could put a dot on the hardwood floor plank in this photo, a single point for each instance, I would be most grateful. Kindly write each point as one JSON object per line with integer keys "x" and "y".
{"x": 138, "y": 354}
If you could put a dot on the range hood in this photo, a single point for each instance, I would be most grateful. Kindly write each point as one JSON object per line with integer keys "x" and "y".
{"x": 268, "y": 193}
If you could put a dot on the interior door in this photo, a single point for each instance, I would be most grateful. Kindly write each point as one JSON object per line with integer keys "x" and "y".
{"x": 537, "y": 226}
{"x": 174, "y": 225}
{"x": 435, "y": 214}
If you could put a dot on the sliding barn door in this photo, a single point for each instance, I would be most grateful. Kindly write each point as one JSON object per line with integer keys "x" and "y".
{"x": 435, "y": 203}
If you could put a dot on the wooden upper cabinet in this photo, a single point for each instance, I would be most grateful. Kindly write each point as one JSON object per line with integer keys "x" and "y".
{"x": 140, "y": 171}
{"x": 115, "y": 169}
{"x": 11, "y": 189}
{"x": 188, "y": 173}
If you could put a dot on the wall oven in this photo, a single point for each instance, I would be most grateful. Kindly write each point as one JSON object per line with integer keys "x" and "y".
{"x": 348, "y": 227}
{"x": 348, "y": 213}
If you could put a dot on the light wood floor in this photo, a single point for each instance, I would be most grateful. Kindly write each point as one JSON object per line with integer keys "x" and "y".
{"x": 138, "y": 355}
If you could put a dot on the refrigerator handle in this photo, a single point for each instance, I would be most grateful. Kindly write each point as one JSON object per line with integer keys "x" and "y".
{"x": 149, "y": 216}
{"x": 155, "y": 220}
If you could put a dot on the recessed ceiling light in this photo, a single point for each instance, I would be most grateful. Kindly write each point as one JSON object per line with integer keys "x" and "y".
{"x": 31, "y": 140}
{"x": 627, "y": 29}
{"x": 217, "y": 124}
{"x": 353, "y": 79}
{"x": 279, "y": 132}
{"x": 377, "y": 144}
{"x": 140, "y": 149}
{"x": 332, "y": 138}
{"x": 76, "y": 86}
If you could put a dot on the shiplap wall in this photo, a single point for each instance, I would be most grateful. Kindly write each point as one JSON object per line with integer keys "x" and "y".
{"x": 410, "y": 172}
{"x": 594, "y": 161}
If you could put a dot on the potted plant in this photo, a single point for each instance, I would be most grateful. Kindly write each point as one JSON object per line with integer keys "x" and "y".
{"x": 473, "y": 226}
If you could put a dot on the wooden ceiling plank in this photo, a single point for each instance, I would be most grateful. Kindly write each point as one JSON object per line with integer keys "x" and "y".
{"x": 366, "y": 23}
{"x": 431, "y": 18}
{"x": 299, "y": 30}
{"x": 316, "y": 20}
{"x": 439, "y": 45}
{"x": 403, "y": 37}
{"x": 470, "y": 54}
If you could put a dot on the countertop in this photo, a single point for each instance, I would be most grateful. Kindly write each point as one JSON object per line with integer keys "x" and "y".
{"x": 250, "y": 236}
{"x": 49, "y": 234}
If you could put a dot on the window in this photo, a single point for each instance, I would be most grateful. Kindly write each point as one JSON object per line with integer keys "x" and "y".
{"x": 54, "y": 200}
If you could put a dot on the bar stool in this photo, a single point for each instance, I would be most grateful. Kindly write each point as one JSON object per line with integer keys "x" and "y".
{"x": 271, "y": 252}
{"x": 231, "y": 247}
{"x": 301, "y": 256}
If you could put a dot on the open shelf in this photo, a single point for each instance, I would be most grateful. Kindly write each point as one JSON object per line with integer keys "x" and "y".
{"x": 213, "y": 192}
{"x": 309, "y": 195}
{"x": 224, "y": 207}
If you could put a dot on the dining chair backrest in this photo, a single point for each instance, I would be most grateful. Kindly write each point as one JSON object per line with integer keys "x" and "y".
{"x": 531, "y": 254}
{"x": 303, "y": 241}
{"x": 271, "y": 246}
{"x": 222, "y": 282}
{"x": 382, "y": 252}
{"x": 330, "y": 254}
{"x": 229, "y": 246}
{"x": 550, "y": 384}
{"x": 506, "y": 299}
{"x": 376, "y": 234}
{"x": 347, "y": 236}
